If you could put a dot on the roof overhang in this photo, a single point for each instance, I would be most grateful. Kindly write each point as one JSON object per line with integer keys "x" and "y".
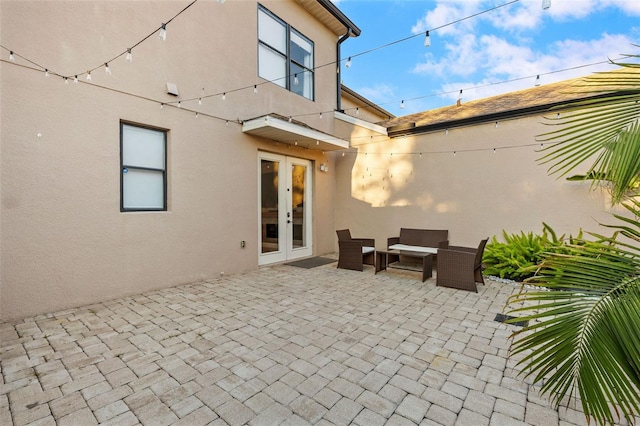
{"x": 292, "y": 133}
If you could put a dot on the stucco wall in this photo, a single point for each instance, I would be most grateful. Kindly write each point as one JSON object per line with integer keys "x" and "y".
{"x": 418, "y": 181}
{"x": 64, "y": 241}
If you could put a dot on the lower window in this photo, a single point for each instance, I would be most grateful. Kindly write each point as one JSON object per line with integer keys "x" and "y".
{"x": 143, "y": 168}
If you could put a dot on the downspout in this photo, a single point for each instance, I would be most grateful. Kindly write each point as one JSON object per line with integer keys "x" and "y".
{"x": 338, "y": 70}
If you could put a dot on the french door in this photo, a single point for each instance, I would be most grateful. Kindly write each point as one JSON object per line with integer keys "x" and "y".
{"x": 284, "y": 191}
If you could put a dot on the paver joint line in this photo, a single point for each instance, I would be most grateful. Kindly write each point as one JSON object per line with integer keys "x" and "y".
{"x": 279, "y": 345}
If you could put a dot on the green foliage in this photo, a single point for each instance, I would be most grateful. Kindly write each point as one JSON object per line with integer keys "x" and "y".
{"x": 518, "y": 257}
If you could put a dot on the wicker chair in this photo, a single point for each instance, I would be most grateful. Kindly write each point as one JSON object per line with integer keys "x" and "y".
{"x": 460, "y": 267}
{"x": 355, "y": 252}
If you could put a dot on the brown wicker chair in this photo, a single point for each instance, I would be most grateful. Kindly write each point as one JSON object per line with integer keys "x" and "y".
{"x": 355, "y": 252}
{"x": 460, "y": 267}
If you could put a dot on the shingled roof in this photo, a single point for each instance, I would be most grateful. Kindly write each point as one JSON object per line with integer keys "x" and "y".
{"x": 509, "y": 105}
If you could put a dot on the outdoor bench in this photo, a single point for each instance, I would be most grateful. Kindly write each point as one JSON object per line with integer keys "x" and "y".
{"x": 413, "y": 249}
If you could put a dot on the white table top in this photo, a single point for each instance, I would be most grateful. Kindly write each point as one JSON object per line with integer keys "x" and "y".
{"x": 418, "y": 249}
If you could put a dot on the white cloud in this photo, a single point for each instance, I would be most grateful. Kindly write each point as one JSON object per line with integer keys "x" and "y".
{"x": 495, "y": 60}
{"x": 377, "y": 93}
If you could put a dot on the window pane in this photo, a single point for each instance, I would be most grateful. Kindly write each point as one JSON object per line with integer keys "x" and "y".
{"x": 301, "y": 50}
{"x": 305, "y": 81}
{"x": 143, "y": 147}
{"x": 272, "y": 32}
{"x": 142, "y": 189}
{"x": 272, "y": 66}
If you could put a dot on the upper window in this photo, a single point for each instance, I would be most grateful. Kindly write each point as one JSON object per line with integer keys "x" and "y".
{"x": 285, "y": 57}
{"x": 143, "y": 168}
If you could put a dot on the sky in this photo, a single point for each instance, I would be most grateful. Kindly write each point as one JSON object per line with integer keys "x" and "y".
{"x": 496, "y": 52}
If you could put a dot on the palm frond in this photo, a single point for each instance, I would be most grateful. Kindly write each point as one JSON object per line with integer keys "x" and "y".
{"x": 584, "y": 336}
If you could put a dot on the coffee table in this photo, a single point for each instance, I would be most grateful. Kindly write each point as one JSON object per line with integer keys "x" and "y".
{"x": 382, "y": 261}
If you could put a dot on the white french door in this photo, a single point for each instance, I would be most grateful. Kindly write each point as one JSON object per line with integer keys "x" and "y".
{"x": 284, "y": 197}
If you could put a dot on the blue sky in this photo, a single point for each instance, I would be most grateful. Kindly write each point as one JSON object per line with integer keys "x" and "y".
{"x": 479, "y": 54}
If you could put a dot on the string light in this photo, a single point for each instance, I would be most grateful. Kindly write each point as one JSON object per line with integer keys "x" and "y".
{"x": 163, "y": 32}
{"x": 200, "y": 101}
{"x": 129, "y": 57}
{"x": 107, "y": 70}
{"x": 255, "y": 88}
{"x": 11, "y": 57}
{"x": 460, "y": 96}
{"x": 295, "y": 80}
{"x": 88, "y": 75}
{"x": 546, "y": 4}
{"x": 224, "y": 96}
{"x": 75, "y": 79}
{"x": 537, "y": 80}
{"x": 402, "y": 104}
{"x": 427, "y": 39}
{"x": 348, "y": 63}
{"x": 66, "y": 81}
{"x": 46, "y": 72}
{"x": 357, "y": 110}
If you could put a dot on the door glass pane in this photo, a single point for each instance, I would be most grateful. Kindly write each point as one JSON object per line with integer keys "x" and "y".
{"x": 269, "y": 205}
{"x": 297, "y": 205}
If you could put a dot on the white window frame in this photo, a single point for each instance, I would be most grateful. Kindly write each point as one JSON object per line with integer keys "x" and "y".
{"x": 143, "y": 168}
{"x": 298, "y": 77}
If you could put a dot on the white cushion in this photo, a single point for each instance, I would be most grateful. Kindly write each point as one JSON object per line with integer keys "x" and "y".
{"x": 367, "y": 250}
{"x": 420, "y": 249}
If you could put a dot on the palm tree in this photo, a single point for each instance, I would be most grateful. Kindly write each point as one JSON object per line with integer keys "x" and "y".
{"x": 583, "y": 337}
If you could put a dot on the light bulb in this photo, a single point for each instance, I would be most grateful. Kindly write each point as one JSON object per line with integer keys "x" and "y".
{"x": 107, "y": 70}
{"x": 537, "y": 80}
{"x": 179, "y": 104}
{"x": 358, "y": 111}
{"x": 320, "y": 115}
{"x": 66, "y": 81}
{"x": 196, "y": 115}
{"x": 88, "y": 75}
{"x": 129, "y": 57}
{"x": 200, "y": 101}
{"x": 75, "y": 79}
{"x": 11, "y": 57}
{"x": 402, "y": 104}
{"x": 161, "y": 106}
{"x": 427, "y": 39}
{"x": 46, "y": 72}
{"x": 348, "y": 63}
{"x": 460, "y": 95}
{"x": 295, "y": 80}
{"x": 255, "y": 88}
{"x": 163, "y": 32}
{"x": 224, "y": 96}
{"x": 546, "y": 4}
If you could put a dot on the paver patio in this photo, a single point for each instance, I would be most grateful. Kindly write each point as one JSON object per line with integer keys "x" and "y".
{"x": 281, "y": 345}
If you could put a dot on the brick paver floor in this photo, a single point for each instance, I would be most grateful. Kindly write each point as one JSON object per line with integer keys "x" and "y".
{"x": 281, "y": 345}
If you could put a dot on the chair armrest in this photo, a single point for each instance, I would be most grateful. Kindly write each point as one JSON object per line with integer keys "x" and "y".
{"x": 369, "y": 242}
{"x": 393, "y": 240}
{"x": 464, "y": 249}
{"x": 443, "y": 244}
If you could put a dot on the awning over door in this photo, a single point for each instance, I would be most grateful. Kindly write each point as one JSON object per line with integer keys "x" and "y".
{"x": 293, "y": 133}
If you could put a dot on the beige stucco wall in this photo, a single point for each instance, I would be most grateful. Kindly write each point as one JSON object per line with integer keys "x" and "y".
{"x": 63, "y": 240}
{"x": 387, "y": 183}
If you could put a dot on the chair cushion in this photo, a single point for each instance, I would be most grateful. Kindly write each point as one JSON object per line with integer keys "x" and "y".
{"x": 367, "y": 250}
